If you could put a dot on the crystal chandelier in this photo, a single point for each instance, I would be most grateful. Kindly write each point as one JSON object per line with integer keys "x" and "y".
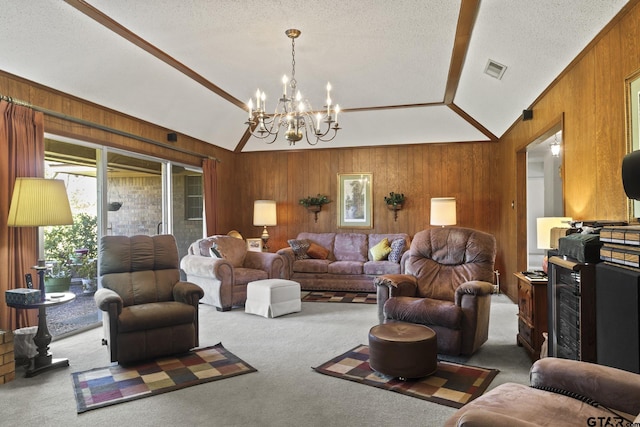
{"x": 293, "y": 112}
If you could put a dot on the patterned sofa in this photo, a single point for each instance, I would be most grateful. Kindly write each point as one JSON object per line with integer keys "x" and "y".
{"x": 342, "y": 261}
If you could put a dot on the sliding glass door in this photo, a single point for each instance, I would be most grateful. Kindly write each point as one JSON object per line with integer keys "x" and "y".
{"x": 113, "y": 192}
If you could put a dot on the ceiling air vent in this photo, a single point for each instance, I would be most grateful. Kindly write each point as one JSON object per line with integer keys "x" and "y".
{"x": 495, "y": 69}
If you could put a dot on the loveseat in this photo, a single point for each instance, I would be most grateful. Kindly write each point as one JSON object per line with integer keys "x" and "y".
{"x": 343, "y": 261}
{"x": 222, "y": 266}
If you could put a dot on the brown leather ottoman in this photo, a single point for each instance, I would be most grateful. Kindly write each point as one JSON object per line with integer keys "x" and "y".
{"x": 403, "y": 350}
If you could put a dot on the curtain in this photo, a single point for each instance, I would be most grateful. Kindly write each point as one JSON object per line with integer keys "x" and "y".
{"x": 210, "y": 195}
{"x": 21, "y": 155}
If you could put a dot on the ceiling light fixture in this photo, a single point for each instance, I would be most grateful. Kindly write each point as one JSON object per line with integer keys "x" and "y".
{"x": 293, "y": 112}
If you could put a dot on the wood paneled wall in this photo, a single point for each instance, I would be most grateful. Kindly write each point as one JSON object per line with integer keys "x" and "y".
{"x": 590, "y": 97}
{"x": 466, "y": 171}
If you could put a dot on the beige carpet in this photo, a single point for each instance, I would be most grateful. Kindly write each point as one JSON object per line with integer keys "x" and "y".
{"x": 284, "y": 392}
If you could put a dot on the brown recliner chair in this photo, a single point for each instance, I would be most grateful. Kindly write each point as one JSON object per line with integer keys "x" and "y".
{"x": 562, "y": 393}
{"x": 447, "y": 286}
{"x": 148, "y": 311}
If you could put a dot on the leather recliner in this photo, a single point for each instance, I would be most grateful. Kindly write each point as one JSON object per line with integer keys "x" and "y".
{"x": 148, "y": 311}
{"x": 447, "y": 286}
{"x": 562, "y": 393}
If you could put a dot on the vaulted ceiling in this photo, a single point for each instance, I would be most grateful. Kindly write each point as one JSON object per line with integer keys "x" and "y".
{"x": 403, "y": 71}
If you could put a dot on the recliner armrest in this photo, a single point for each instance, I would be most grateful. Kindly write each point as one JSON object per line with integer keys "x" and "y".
{"x": 611, "y": 387}
{"x": 473, "y": 287}
{"x": 398, "y": 284}
{"x": 272, "y": 263}
{"x": 203, "y": 266}
{"x": 109, "y": 301}
{"x": 483, "y": 418}
{"x": 187, "y": 293}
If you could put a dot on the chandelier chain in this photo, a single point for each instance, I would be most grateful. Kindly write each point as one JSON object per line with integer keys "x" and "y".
{"x": 293, "y": 64}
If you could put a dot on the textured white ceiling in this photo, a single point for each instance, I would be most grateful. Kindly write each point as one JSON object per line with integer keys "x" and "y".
{"x": 375, "y": 53}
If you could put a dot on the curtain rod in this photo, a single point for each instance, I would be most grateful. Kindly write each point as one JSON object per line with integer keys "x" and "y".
{"x": 104, "y": 128}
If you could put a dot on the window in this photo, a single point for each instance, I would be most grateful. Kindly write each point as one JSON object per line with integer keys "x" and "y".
{"x": 193, "y": 194}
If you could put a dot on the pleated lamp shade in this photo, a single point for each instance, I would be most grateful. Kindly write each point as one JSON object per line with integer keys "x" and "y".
{"x": 39, "y": 202}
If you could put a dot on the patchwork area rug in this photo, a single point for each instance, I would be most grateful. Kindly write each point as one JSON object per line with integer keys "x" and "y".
{"x": 102, "y": 387}
{"x": 452, "y": 385}
{"x": 361, "y": 297}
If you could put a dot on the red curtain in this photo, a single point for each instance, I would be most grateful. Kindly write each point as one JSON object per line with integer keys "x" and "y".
{"x": 210, "y": 194}
{"x": 21, "y": 155}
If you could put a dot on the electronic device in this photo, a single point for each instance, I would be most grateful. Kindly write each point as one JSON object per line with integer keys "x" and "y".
{"x": 29, "y": 280}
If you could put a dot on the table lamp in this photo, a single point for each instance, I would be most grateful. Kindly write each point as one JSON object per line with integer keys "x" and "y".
{"x": 264, "y": 214}
{"x": 39, "y": 202}
{"x": 544, "y": 226}
{"x": 443, "y": 211}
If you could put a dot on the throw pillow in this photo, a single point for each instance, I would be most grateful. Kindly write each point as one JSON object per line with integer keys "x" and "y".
{"x": 381, "y": 250}
{"x": 232, "y": 249}
{"x": 316, "y": 251}
{"x": 299, "y": 248}
{"x": 397, "y": 246}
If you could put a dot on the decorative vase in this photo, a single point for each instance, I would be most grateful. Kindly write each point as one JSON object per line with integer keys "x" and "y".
{"x": 314, "y": 208}
{"x": 57, "y": 284}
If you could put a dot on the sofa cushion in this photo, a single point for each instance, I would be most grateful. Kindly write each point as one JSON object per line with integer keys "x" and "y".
{"x": 345, "y": 267}
{"x": 397, "y": 247}
{"x": 378, "y": 268}
{"x": 326, "y": 240}
{"x": 350, "y": 247}
{"x": 299, "y": 248}
{"x": 380, "y": 251}
{"x": 318, "y": 252}
{"x": 246, "y": 275}
{"x": 311, "y": 265}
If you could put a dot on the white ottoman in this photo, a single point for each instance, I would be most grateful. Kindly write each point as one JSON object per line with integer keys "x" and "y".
{"x": 273, "y": 297}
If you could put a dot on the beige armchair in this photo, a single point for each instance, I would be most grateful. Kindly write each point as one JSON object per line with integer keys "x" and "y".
{"x": 148, "y": 311}
{"x": 562, "y": 393}
{"x": 447, "y": 287}
{"x": 222, "y": 266}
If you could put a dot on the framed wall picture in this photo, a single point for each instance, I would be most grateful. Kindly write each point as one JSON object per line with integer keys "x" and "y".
{"x": 254, "y": 245}
{"x": 355, "y": 207}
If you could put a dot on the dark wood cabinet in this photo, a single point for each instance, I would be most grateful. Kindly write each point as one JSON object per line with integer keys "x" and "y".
{"x": 618, "y": 316}
{"x": 532, "y": 314}
{"x": 572, "y": 309}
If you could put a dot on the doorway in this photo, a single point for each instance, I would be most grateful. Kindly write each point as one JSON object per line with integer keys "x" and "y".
{"x": 539, "y": 192}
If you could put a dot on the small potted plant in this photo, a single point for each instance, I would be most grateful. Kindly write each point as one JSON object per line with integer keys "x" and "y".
{"x": 314, "y": 204}
{"x": 59, "y": 271}
{"x": 88, "y": 272}
{"x": 394, "y": 202}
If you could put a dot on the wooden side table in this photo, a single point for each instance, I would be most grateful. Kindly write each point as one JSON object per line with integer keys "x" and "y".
{"x": 532, "y": 314}
{"x": 44, "y": 359}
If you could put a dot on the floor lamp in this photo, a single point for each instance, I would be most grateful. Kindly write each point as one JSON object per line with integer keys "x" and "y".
{"x": 39, "y": 202}
{"x": 264, "y": 214}
{"x": 443, "y": 211}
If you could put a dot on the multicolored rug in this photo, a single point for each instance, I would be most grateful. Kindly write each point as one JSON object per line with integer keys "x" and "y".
{"x": 361, "y": 297}
{"x": 102, "y": 387}
{"x": 452, "y": 385}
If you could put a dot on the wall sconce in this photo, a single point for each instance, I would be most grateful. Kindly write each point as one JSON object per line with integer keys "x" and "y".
{"x": 443, "y": 211}
{"x": 264, "y": 214}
